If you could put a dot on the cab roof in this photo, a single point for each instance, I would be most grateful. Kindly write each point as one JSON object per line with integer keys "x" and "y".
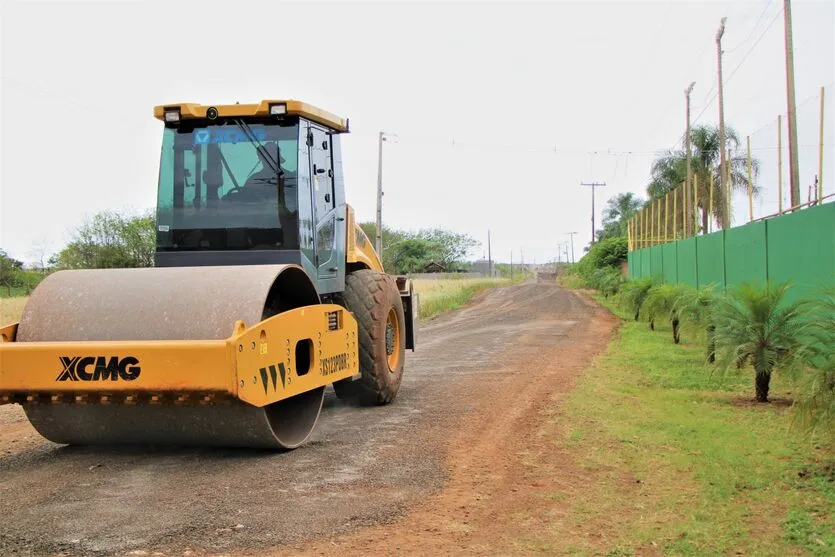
{"x": 193, "y": 111}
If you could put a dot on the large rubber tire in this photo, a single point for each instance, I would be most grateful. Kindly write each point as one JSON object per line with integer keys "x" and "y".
{"x": 374, "y": 300}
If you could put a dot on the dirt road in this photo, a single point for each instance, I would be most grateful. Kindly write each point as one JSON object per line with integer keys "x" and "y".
{"x": 442, "y": 470}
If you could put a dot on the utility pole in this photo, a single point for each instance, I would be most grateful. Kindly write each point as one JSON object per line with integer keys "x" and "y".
{"x": 722, "y": 161}
{"x": 571, "y": 235}
{"x": 687, "y": 138}
{"x": 794, "y": 171}
{"x": 489, "y": 257}
{"x": 593, "y": 185}
{"x": 379, "y": 233}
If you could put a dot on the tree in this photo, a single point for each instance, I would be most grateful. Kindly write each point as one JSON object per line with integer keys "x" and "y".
{"x": 670, "y": 171}
{"x": 442, "y": 246}
{"x": 759, "y": 325}
{"x": 617, "y": 213}
{"x": 413, "y": 254}
{"x": 110, "y": 240}
{"x": 451, "y": 247}
{"x": 11, "y": 272}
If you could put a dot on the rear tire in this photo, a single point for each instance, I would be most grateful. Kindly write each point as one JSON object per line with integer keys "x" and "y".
{"x": 374, "y": 300}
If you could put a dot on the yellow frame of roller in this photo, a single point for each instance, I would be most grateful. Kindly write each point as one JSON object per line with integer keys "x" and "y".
{"x": 257, "y": 365}
{"x": 293, "y": 108}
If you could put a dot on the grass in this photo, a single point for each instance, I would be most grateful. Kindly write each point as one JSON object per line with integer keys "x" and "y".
{"x": 10, "y": 309}
{"x": 440, "y": 295}
{"x": 684, "y": 464}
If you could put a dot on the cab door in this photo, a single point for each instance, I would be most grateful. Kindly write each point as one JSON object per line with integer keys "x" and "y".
{"x": 330, "y": 236}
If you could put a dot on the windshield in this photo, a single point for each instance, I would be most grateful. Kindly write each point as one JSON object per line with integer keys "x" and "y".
{"x": 228, "y": 186}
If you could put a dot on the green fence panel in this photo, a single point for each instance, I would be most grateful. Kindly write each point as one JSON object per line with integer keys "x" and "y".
{"x": 646, "y": 271}
{"x": 710, "y": 253}
{"x": 801, "y": 249}
{"x": 636, "y": 260}
{"x": 670, "y": 262}
{"x": 745, "y": 254}
{"x": 630, "y": 265}
{"x": 656, "y": 257}
{"x": 687, "y": 272}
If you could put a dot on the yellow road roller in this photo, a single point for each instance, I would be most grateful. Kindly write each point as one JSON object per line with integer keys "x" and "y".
{"x": 264, "y": 291}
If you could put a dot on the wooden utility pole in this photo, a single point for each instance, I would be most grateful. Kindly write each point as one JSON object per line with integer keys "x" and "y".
{"x": 592, "y": 185}
{"x": 722, "y": 161}
{"x": 571, "y": 235}
{"x": 794, "y": 171}
{"x": 379, "y": 232}
{"x": 489, "y": 257}
{"x": 687, "y": 133}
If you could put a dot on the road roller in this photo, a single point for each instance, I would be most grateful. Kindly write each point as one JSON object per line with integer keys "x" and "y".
{"x": 264, "y": 291}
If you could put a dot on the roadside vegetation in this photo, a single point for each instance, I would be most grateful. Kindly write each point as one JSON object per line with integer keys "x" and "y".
{"x": 679, "y": 460}
{"x": 440, "y": 295}
{"x": 709, "y": 424}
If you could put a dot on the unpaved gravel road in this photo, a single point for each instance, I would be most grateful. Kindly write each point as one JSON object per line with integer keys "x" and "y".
{"x": 438, "y": 471}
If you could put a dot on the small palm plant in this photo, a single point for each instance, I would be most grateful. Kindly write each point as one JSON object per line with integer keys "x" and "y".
{"x": 695, "y": 309}
{"x": 662, "y": 303}
{"x": 815, "y": 402}
{"x": 634, "y": 292}
{"x": 759, "y": 325}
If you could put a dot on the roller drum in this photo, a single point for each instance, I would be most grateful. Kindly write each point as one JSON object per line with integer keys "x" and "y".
{"x": 177, "y": 303}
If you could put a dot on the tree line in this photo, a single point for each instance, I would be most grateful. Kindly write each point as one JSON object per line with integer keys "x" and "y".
{"x": 114, "y": 240}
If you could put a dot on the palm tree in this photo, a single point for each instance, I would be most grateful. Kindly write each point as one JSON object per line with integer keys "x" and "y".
{"x": 815, "y": 401}
{"x": 757, "y": 324}
{"x": 618, "y": 211}
{"x": 634, "y": 292}
{"x": 670, "y": 171}
{"x": 695, "y": 308}
{"x": 662, "y": 302}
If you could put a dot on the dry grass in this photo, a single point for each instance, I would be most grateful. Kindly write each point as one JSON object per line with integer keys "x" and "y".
{"x": 10, "y": 309}
{"x": 436, "y": 296}
{"x": 440, "y": 295}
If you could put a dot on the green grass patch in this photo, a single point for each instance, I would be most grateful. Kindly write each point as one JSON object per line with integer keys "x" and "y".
{"x": 685, "y": 463}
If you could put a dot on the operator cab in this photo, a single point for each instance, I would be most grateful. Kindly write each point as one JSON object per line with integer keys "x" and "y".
{"x": 252, "y": 184}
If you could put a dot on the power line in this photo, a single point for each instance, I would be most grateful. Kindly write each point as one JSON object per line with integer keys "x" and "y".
{"x": 745, "y": 57}
{"x": 753, "y": 29}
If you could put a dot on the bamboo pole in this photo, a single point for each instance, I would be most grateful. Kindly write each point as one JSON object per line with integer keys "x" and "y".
{"x": 675, "y": 214}
{"x": 695, "y": 204}
{"x": 652, "y": 224}
{"x": 780, "y": 163}
{"x": 666, "y": 215}
{"x": 710, "y": 210}
{"x": 750, "y": 183}
{"x": 820, "y": 156}
{"x": 658, "y": 223}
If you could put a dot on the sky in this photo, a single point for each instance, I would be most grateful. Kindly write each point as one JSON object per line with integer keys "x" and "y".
{"x": 497, "y": 111}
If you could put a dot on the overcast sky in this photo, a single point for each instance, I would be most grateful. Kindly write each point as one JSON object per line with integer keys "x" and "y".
{"x": 501, "y": 110}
